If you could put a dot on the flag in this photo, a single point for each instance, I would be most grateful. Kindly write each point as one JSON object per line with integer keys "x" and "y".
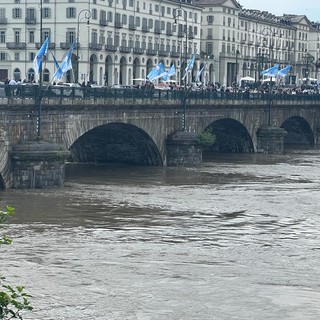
{"x": 37, "y": 62}
{"x": 157, "y": 72}
{"x": 190, "y": 65}
{"x": 200, "y": 73}
{"x": 283, "y": 72}
{"x": 65, "y": 65}
{"x": 171, "y": 72}
{"x": 271, "y": 72}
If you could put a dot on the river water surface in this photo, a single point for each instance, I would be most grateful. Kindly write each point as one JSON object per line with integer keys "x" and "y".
{"x": 238, "y": 238}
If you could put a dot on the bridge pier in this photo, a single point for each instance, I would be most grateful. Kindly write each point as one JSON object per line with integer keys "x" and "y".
{"x": 38, "y": 164}
{"x": 270, "y": 140}
{"x": 183, "y": 150}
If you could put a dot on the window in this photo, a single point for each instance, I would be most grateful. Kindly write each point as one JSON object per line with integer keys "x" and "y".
{"x": 110, "y": 16}
{"x": 210, "y": 19}
{"x": 46, "y": 13}
{"x": 30, "y": 14}
{"x": 94, "y": 36}
{"x": 3, "y": 56}
{"x": 71, "y": 12}
{"x": 2, "y": 14}
{"x": 17, "y": 58}
{"x": 124, "y": 19}
{"x": 138, "y": 21}
{"x": 156, "y": 8}
{"x": 2, "y": 36}
{"x": 45, "y": 34}
{"x": 70, "y": 36}
{"x": 16, "y": 13}
{"x": 94, "y": 14}
{"x": 17, "y": 36}
{"x": 31, "y": 36}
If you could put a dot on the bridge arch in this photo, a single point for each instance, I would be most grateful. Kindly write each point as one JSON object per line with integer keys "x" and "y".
{"x": 231, "y": 136}
{"x": 298, "y": 131}
{"x": 116, "y": 143}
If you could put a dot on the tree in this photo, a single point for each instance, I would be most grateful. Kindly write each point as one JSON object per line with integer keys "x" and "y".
{"x": 13, "y": 299}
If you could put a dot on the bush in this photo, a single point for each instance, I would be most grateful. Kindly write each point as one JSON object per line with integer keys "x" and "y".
{"x": 13, "y": 299}
{"x": 206, "y": 139}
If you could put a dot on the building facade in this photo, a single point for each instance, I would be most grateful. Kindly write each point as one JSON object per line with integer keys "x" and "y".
{"x": 120, "y": 41}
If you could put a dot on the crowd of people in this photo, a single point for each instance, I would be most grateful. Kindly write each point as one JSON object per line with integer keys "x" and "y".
{"x": 12, "y": 87}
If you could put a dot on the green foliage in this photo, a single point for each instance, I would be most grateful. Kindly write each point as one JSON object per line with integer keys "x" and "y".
{"x": 13, "y": 299}
{"x": 206, "y": 139}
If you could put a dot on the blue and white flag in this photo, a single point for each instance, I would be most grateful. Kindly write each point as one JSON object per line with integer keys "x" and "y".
{"x": 190, "y": 65}
{"x": 37, "y": 62}
{"x": 171, "y": 72}
{"x": 271, "y": 72}
{"x": 283, "y": 72}
{"x": 157, "y": 72}
{"x": 65, "y": 65}
{"x": 200, "y": 73}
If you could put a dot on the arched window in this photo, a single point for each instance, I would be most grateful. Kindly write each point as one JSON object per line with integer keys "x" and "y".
{"x": 46, "y": 75}
{"x": 16, "y": 74}
{"x": 30, "y": 75}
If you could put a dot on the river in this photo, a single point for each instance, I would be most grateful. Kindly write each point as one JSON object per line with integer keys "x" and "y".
{"x": 238, "y": 238}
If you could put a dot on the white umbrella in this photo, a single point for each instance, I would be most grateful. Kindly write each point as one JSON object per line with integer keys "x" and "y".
{"x": 247, "y": 79}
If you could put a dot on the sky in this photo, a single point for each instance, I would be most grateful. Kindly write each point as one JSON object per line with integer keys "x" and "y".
{"x": 309, "y": 8}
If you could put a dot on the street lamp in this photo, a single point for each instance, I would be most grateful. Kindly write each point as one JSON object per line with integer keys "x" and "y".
{"x": 87, "y": 16}
{"x": 183, "y": 13}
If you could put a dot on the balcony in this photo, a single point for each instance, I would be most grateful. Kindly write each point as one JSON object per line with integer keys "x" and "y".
{"x": 151, "y": 52}
{"x": 138, "y": 50}
{"x": 110, "y": 47}
{"x": 242, "y": 41}
{"x": 174, "y": 54}
{"x": 124, "y": 49}
{"x": 163, "y": 53}
{"x": 65, "y": 45}
{"x": 181, "y": 34}
{"x": 16, "y": 45}
{"x": 209, "y": 37}
{"x": 3, "y": 20}
{"x": 51, "y": 45}
{"x": 103, "y": 22}
{"x": 118, "y": 24}
{"x": 95, "y": 46}
{"x": 191, "y": 35}
{"x": 169, "y": 33}
{"x": 157, "y": 31}
{"x": 30, "y": 20}
{"x": 250, "y": 42}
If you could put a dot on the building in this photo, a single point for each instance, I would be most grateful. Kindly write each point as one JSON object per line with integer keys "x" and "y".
{"x": 118, "y": 41}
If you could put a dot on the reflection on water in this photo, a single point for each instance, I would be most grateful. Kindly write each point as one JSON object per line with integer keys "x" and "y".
{"x": 237, "y": 238}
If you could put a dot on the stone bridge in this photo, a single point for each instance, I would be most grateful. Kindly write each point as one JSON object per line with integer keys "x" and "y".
{"x": 137, "y": 131}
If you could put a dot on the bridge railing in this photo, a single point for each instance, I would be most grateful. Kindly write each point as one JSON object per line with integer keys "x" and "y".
{"x": 32, "y": 91}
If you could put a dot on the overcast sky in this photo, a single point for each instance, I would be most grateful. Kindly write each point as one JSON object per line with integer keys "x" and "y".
{"x": 310, "y": 8}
